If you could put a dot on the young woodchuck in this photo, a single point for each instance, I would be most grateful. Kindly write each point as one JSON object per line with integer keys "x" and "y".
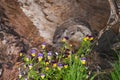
{"x": 74, "y": 29}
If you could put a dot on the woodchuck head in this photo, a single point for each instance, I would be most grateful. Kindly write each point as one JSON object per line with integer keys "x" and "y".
{"x": 74, "y": 29}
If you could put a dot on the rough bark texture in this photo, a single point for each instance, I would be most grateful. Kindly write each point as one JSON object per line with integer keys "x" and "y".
{"x": 17, "y": 34}
{"x": 18, "y": 20}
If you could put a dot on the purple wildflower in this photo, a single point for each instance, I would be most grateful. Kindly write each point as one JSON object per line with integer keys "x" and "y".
{"x": 33, "y": 51}
{"x": 65, "y": 66}
{"x": 40, "y": 56}
{"x": 83, "y": 60}
{"x": 27, "y": 58}
{"x": 66, "y": 37}
{"x": 60, "y": 66}
{"x": 20, "y": 75}
{"x": 49, "y": 54}
{"x": 89, "y": 37}
{"x": 43, "y": 45}
{"x": 42, "y": 76}
{"x": 30, "y": 66}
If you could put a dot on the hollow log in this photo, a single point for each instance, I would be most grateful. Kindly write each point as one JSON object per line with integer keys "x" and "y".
{"x": 27, "y": 23}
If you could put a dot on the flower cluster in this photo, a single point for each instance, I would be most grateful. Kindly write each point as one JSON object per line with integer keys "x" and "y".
{"x": 42, "y": 64}
{"x": 40, "y": 56}
{"x": 33, "y": 52}
{"x": 83, "y": 60}
{"x": 88, "y": 38}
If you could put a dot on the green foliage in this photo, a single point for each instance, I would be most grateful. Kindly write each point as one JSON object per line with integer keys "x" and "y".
{"x": 115, "y": 75}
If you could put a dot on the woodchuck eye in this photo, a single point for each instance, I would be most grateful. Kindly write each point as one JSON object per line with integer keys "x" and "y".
{"x": 72, "y": 33}
{"x": 58, "y": 36}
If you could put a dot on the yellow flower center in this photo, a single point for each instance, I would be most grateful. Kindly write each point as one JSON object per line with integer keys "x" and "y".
{"x": 83, "y": 62}
{"x": 54, "y": 65}
{"x": 42, "y": 76}
{"x": 65, "y": 66}
{"x": 39, "y": 58}
{"x": 21, "y": 54}
{"x": 47, "y": 63}
{"x": 33, "y": 54}
{"x": 27, "y": 59}
{"x": 47, "y": 68}
{"x": 49, "y": 57}
{"x": 43, "y": 46}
